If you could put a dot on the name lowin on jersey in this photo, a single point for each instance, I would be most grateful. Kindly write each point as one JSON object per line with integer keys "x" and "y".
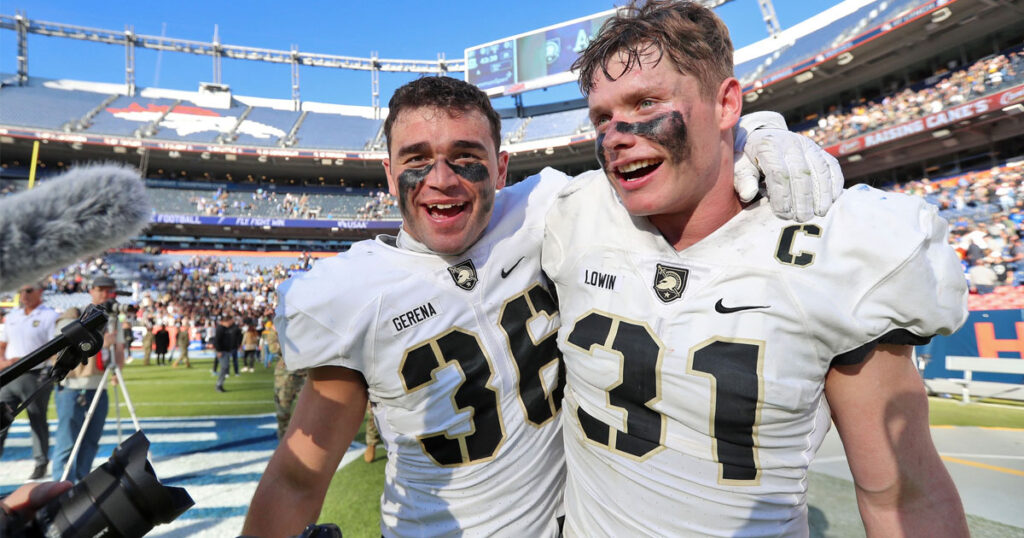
{"x": 694, "y": 397}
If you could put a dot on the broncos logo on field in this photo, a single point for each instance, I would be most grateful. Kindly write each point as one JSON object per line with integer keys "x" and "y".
{"x": 464, "y": 274}
{"x": 669, "y": 282}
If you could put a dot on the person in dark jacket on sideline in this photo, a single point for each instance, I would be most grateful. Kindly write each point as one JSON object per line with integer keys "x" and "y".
{"x": 162, "y": 341}
{"x": 226, "y": 340}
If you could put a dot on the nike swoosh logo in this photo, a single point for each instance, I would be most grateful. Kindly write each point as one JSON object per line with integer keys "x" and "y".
{"x": 504, "y": 273}
{"x": 722, "y": 309}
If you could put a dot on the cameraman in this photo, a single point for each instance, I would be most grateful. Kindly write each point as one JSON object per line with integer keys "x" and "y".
{"x": 79, "y": 388}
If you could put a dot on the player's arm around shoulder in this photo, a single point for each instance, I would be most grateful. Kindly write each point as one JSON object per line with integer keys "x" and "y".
{"x": 327, "y": 416}
{"x": 880, "y": 409}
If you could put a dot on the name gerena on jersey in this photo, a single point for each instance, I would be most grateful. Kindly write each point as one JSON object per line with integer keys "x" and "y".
{"x": 416, "y": 315}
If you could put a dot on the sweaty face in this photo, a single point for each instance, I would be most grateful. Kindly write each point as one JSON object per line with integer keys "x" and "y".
{"x": 444, "y": 170}
{"x": 658, "y": 138}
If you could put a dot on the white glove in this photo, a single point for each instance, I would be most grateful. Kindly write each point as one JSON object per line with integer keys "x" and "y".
{"x": 801, "y": 179}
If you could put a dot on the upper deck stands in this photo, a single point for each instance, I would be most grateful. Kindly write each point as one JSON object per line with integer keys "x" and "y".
{"x": 45, "y": 108}
{"x": 335, "y": 131}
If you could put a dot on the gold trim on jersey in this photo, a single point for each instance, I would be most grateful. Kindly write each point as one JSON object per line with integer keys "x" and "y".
{"x": 606, "y": 344}
{"x": 442, "y": 362}
{"x": 553, "y": 404}
{"x": 784, "y": 248}
{"x": 713, "y": 405}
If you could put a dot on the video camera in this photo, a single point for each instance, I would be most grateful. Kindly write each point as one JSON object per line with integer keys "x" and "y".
{"x": 122, "y": 497}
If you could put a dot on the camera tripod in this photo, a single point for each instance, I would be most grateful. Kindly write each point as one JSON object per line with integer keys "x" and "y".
{"x": 116, "y": 370}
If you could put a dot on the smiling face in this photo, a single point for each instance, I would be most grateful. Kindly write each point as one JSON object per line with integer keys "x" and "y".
{"x": 664, "y": 146}
{"x": 444, "y": 169}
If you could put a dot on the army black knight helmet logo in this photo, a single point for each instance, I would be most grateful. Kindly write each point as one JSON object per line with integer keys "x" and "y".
{"x": 669, "y": 282}
{"x": 464, "y": 274}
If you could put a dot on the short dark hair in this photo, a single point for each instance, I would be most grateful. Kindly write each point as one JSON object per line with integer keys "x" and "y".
{"x": 447, "y": 93}
{"x": 695, "y": 40}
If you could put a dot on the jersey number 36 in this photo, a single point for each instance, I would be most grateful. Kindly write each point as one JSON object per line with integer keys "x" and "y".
{"x": 532, "y": 355}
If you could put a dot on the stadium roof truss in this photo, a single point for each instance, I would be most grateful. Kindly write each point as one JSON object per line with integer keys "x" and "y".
{"x": 130, "y": 40}
{"x": 217, "y": 50}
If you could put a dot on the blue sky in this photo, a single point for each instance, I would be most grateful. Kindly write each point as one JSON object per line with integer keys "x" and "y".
{"x": 401, "y": 29}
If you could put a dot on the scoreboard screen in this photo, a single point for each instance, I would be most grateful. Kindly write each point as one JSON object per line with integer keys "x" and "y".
{"x": 492, "y": 65}
{"x": 532, "y": 60}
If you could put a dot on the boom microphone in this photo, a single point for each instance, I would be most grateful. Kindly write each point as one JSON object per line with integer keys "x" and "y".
{"x": 79, "y": 213}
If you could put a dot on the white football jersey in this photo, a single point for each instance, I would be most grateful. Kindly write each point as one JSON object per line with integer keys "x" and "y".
{"x": 463, "y": 370}
{"x": 693, "y": 399}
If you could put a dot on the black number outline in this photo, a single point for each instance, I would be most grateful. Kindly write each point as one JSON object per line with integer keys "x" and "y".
{"x": 731, "y": 450}
{"x": 594, "y": 429}
{"x": 601, "y": 434}
{"x": 539, "y": 302}
{"x": 438, "y": 446}
{"x": 433, "y": 446}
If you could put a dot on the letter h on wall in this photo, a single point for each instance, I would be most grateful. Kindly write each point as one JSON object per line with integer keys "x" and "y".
{"x": 990, "y": 346}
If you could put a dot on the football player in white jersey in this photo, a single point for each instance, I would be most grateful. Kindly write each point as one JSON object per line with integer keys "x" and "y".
{"x": 449, "y": 329}
{"x": 700, "y": 334}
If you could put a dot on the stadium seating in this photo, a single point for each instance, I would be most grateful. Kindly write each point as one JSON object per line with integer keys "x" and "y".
{"x": 335, "y": 131}
{"x": 565, "y": 123}
{"x": 126, "y": 115}
{"x": 37, "y": 106}
{"x": 233, "y": 203}
{"x": 280, "y": 119}
{"x": 822, "y": 39}
{"x": 983, "y": 77}
{"x": 511, "y": 129}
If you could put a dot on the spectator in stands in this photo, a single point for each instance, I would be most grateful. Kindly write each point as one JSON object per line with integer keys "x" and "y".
{"x": 982, "y": 277}
{"x": 985, "y": 76}
{"x": 1013, "y": 258}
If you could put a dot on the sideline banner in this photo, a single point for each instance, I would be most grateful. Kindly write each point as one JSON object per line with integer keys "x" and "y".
{"x": 274, "y": 222}
{"x": 987, "y": 333}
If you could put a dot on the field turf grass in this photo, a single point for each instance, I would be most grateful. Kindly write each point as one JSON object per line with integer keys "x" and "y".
{"x": 162, "y": 391}
{"x": 353, "y": 499}
{"x": 950, "y": 412}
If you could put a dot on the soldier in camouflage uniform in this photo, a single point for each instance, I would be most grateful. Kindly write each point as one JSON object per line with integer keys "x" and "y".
{"x": 372, "y": 435}
{"x": 147, "y": 343}
{"x": 286, "y": 384}
{"x": 286, "y": 389}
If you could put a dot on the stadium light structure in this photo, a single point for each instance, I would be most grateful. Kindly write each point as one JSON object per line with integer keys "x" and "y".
{"x": 770, "y": 20}
{"x": 130, "y": 40}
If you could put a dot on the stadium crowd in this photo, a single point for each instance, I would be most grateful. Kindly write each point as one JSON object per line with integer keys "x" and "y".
{"x": 266, "y": 203}
{"x": 981, "y": 78}
{"x": 985, "y": 210}
{"x": 191, "y": 294}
